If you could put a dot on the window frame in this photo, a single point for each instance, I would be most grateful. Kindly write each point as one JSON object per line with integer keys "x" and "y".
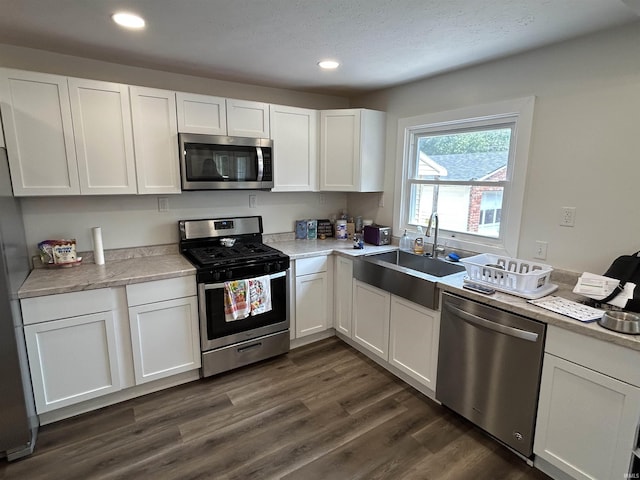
{"x": 518, "y": 112}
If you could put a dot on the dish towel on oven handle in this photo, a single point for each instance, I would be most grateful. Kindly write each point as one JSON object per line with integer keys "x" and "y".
{"x": 236, "y": 306}
{"x": 260, "y": 294}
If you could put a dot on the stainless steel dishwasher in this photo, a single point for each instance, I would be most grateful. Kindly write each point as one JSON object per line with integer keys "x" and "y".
{"x": 489, "y": 365}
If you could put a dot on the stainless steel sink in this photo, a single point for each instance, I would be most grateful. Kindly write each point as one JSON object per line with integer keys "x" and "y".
{"x": 410, "y": 276}
{"x": 428, "y": 265}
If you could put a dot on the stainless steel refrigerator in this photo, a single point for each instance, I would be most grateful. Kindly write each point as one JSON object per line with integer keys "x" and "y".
{"x": 18, "y": 420}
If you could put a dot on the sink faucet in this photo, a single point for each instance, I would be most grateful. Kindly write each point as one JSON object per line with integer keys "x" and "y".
{"x": 433, "y": 219}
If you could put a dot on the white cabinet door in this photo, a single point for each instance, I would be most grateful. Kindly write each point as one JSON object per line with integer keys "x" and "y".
{"x": 343, "y": 295}
{"x": 39, "y": 133}
{"x": 294, "y": 132}
{"x": 311, "y": 304}
{"x": 413, "y": 340}
{"x": 202, "y": 114}
{"x": 247, "y": 119}
{"x": 72, "y": 360}
{"x": 587, "y": 421}
{"x": 155, "y": 134}
{"x": 371, "y": 308}
{"x": 165, "y": 338}
{"x": 103, "y": 136}
{"x": 352, "y": 148}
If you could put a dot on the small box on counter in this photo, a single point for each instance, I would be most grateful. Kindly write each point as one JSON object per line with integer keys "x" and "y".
{"x": 351, "y": 230}
{"x": 325, "y": 228}
{"x": 301, "y": 229}
{"x": 312, "y": 229}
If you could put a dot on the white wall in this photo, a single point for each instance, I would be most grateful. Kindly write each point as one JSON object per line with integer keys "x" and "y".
{"x": 130, "y": 220}
{"x": 584, "y": 150}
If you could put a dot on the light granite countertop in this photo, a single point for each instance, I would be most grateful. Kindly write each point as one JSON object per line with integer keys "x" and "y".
{"x": 297, "y": 249}
{"x": 115, "y": 272}
{"x": 145, "y": 264}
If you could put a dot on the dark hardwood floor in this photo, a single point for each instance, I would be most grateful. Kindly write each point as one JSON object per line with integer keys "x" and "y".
{"x": 323, "y": 411}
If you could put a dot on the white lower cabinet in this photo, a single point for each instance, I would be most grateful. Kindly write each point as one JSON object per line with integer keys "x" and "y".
{"x": 413, "y": 340}
{"x": 312, "y": 295}
{"x": 372, "y": 307}
{"x": 164, "y": 333}
{"x": 83, "y": 345}
{"x": 343, "y": 295}
{"x": 72, "y": 360}
{"x": 587, "y": 422}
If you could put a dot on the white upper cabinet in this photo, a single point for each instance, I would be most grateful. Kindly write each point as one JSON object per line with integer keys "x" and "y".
{"x": 155, "y": 134}
{"x": 202, "y": 114}
{"x": 103, "y": 136}
{"x": 352, "y": 150}
{"x": 247, "y": 119}
{"x": 210, "y": 115}
{"x": 39, "y": 133}
{"x": 295, "y": 148}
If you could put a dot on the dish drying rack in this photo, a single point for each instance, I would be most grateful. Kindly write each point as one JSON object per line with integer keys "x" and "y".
{"x": 510, "y": 275}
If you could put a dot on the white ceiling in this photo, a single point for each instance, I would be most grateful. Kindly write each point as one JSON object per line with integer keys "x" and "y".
{"x": 277, "y": 43}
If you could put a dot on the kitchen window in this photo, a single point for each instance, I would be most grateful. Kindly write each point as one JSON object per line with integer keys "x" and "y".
{"x": 469, "y": 166}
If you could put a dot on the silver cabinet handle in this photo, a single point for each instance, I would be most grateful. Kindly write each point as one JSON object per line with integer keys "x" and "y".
{"x": 496, "y": 327}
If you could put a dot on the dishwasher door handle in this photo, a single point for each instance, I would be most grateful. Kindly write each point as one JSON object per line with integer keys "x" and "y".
{"x": 496, "y": 327}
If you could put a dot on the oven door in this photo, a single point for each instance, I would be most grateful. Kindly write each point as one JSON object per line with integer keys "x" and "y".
{"x": 216, "y": 332}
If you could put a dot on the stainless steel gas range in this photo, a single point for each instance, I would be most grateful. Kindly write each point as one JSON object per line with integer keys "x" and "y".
{"x": 229, "y": 254}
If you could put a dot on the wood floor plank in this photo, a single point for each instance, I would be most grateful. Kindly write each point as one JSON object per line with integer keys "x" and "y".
{"x": 324, "y": 411}
{"x": 309, "y": 447}
{"x": 368, "y": 452}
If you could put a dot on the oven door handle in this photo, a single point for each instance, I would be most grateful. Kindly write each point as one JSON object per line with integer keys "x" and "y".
{"x": 214, "y": 286}
{"x": 496, "y": 327}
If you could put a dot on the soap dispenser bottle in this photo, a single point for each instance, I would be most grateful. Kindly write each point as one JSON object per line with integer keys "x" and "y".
{"x": 405, "y": 242}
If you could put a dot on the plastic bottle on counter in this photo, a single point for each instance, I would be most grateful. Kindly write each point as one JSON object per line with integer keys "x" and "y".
{"x": 405, "y": 242}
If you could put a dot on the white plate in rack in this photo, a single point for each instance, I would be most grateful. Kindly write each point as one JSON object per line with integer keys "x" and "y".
{"x": 529, "y": 295}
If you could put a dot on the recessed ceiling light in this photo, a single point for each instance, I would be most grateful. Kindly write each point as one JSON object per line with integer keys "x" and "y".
{"x": 128, "y": 20}
{"x": 328, "y": 64}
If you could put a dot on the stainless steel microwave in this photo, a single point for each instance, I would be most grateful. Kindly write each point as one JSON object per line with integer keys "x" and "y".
{"x": 214, "y": 162}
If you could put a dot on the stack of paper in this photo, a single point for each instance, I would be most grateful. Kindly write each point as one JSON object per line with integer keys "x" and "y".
{"x": 598, "y": 287}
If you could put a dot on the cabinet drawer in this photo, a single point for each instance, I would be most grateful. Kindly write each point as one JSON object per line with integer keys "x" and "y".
{"x": 604, "y": 357}
{"x": 64, "y": 305}
{"x": 305, "y": 266}
{"x": 160, "y": 290}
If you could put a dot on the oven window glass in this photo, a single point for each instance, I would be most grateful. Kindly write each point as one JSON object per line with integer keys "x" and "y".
{"x": 218, "y": 327}
{"x": 217, "y": 163}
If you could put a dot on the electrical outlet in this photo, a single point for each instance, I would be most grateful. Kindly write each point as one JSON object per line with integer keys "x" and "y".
{"x": 541, "y": 250}
{"x": 323, "y": 199}
{"x": 568, "y": 216}
{"x": 381, "y": 200}
{"x": 253, "y": 201}
{"x": 163, "y": 204}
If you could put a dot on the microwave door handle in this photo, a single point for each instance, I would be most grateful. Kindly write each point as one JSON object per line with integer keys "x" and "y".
{"x": 260, "y": 164}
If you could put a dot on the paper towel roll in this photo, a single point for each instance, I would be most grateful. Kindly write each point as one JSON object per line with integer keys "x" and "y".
{"x": 98, "y": 251}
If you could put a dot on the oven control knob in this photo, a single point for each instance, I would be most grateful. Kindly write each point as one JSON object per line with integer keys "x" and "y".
{"x": 229, "y": 273}
{"x": 267, "y": 267}
{"x": 216, "y": 275}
